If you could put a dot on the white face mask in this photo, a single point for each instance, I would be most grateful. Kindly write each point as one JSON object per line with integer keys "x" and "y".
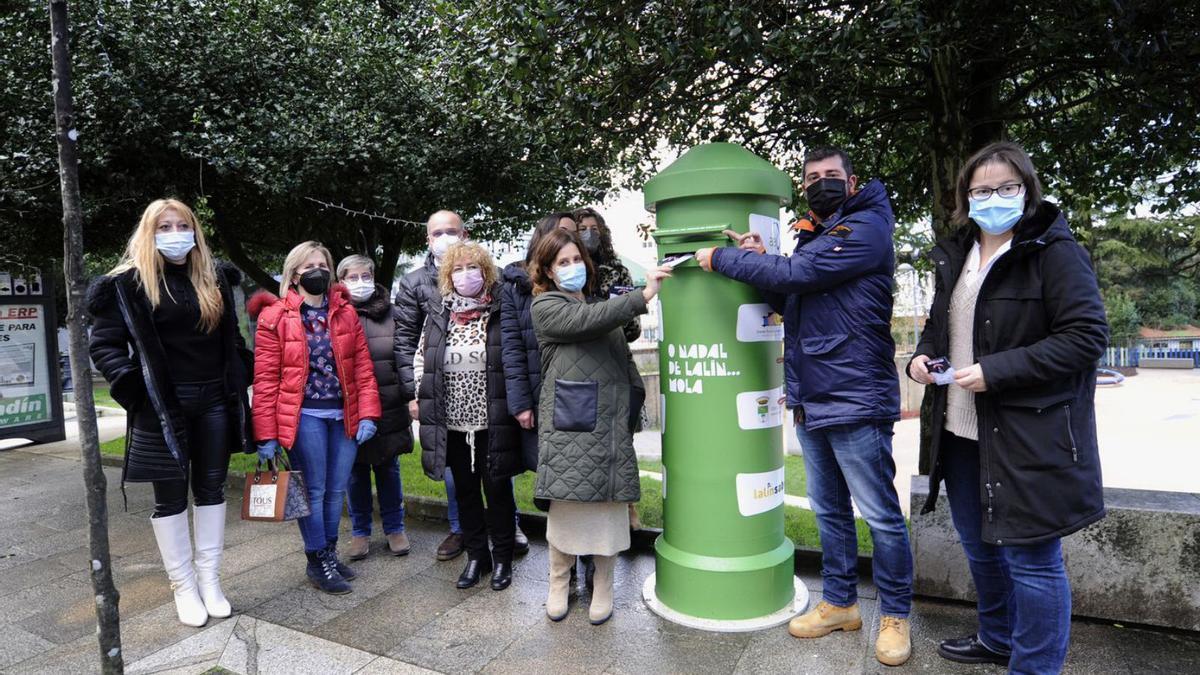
{"x": 441, "y": 245}
{"x": 175, "y": 245}
{"x": 361, "y": 290}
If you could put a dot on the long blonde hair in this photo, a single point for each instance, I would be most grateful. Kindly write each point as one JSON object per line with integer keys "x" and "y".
{"x": 142, "y": 255}
{"x": 296, "y": 257}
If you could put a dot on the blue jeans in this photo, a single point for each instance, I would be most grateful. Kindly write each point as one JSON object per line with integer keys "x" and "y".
{"x": 452, "y": 504}
{"x": 1024, "y": 597}
{"x": 325, "y": 455}
{"x": 391, "y": 497}
{"x": 856, "y": 461}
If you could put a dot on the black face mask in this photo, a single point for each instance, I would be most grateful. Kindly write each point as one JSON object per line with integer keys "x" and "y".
{"x": 315, "y": 282}
{"x": 825, "y": 196}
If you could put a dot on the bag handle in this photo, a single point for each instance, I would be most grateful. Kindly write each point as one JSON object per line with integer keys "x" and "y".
{"x": 273, "y": 465}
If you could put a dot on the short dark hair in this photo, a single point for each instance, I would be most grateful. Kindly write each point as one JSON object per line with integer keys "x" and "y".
{"x": 1001, "y": 151}
{"x": 819, "y": 153}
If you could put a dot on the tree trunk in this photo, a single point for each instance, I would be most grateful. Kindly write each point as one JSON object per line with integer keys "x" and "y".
{"x": 108, "y": 616}
{"x": 238, "y": 256}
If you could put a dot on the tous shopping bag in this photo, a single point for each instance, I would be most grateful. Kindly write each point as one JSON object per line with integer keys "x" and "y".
{"x": 275, "y": 495}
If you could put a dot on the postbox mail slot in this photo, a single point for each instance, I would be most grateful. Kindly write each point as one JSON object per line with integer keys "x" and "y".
{"x": 690, "y": 239}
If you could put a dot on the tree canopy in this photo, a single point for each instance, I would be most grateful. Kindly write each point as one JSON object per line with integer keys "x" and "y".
{"x": 1104, "y": 94}
{"x": 502, "y": 110}
{"x": 1149, "y": 270}
{"x": 253, "y": 109}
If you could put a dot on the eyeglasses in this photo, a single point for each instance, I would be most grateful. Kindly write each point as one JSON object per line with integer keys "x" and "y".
{"x": 363, "y": 278}
{"x": 1006, "y": 190}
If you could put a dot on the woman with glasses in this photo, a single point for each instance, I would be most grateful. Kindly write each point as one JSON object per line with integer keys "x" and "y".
{"x": 380, "y": 455}
{"x": 1013, "y": 337}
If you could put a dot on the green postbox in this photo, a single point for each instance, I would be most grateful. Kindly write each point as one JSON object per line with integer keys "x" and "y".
{"x": 722, "y": 562}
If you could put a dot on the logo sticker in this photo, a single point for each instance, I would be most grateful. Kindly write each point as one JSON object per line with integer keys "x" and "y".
{"x": 262, "y": 501}
{"x": 759, "y": 323}
{"x": 760, "y": 409}
{"x": 759, "y": 492}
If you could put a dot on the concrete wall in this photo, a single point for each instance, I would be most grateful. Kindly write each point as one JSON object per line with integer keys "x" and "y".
{"x": 1141, "y": 564}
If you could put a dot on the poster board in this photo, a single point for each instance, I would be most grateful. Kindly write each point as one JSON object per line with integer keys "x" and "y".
{"x": 30, "y": 379}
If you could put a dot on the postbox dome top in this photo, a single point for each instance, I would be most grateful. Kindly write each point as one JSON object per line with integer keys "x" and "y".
{"x": 718, "y": 169}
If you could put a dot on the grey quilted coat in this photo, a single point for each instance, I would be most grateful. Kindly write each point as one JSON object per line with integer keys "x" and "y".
{"x": 585, "y": 435}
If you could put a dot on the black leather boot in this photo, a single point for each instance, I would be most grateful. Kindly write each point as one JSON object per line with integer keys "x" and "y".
{"x": 473, "y": 572}
{"x": 501, "y": 576}
{"x": 323, "y": 574}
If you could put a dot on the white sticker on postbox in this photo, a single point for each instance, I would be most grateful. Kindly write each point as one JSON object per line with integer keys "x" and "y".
{"x": 767, "y": 228}
{"x": 759, "y": 492}
{"x": 760, "y": 409}
{"x": 758, "y": 323}
{"x": 262, "y": 500}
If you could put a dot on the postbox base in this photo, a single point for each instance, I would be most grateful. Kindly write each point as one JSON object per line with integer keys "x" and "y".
{"x": 797, "y": 606}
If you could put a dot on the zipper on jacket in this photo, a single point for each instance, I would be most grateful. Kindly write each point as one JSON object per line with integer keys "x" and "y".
{"x": 612, "y": 465}
{"x": 1071, "y": 435}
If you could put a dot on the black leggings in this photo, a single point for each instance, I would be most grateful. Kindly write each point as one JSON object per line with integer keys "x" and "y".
{"x": 207, "y": 417}
{"x": 499, "y": 518}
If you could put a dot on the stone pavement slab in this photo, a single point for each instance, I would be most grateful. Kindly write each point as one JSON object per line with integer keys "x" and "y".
{"x": 405, "y": 615}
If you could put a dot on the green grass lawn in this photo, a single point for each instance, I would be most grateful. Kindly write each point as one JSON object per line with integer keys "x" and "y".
{"x": 799, "y": 525}
{"x": 101, "y": 395}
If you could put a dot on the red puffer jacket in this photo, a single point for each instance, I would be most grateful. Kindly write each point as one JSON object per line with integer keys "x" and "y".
{"x": 281, "y": 366}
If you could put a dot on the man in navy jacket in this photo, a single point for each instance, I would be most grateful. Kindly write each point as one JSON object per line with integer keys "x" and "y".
{"x": 835, "y": 294}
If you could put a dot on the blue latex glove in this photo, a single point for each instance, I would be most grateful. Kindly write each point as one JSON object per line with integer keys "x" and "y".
{"x": 267, "y": 450}
{"x": 366, "y": 429}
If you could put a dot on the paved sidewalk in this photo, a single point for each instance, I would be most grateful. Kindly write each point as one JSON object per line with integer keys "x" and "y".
{"x": 405, "y": 615}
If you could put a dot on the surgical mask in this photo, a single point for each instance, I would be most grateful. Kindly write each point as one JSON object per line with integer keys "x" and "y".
{"x": 826, "y": 196}
{"x": 175, "y": 245}
{"x": 572, "y": 277}
{"x": 591, "y": 240}
{"x": 468, "y": 283}
{"x": 997, "y": 215}
{"x": 315, "y": 282}
{"x": 441, "y": 245}
{"x": 361, "y": 290}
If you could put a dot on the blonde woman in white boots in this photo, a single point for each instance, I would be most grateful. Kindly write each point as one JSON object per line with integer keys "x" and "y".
{"x": 165, "y": 336}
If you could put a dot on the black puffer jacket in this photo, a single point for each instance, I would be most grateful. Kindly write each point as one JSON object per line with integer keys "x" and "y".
{"x": 1039, "y": 330}
{"x": 394, "y": 435}
{"x": 125, "y": 347}
{"x": 504, "y": 441}
{"x": 418, "y": 290}
{"x": 522, "y": 357}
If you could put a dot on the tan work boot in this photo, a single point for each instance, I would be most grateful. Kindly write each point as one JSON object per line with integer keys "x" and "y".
{"x": 359, "y": 548}
{"x": 893, "y": 645}
{"x": 561, "y": 566}
{"x": 824, "y": 619}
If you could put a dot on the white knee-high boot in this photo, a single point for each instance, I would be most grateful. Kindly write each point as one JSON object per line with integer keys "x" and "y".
{"x": 175, "y": 546}
{"x": 210, "y": 543}
{"x": 561, "y": 565}
{"x": 601, "y": 608}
